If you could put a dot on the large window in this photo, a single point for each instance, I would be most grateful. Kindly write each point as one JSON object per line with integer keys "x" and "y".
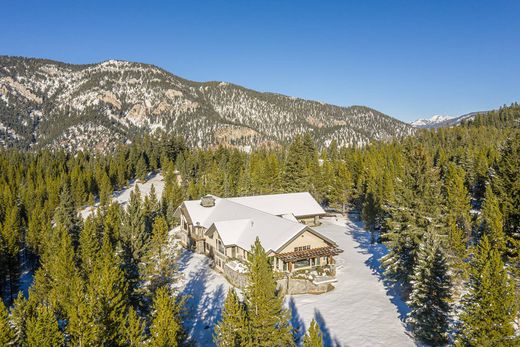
{"x": 302, "y": 263}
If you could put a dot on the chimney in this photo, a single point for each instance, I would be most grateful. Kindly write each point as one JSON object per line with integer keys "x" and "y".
{"x": 207, "y": 201}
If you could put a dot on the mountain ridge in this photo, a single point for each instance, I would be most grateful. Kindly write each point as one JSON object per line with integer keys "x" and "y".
{"x": 49, "y": 104}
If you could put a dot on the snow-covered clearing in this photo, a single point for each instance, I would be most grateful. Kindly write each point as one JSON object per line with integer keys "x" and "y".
{"x": 123, "y": 196}
{"x": 361, "y": 311}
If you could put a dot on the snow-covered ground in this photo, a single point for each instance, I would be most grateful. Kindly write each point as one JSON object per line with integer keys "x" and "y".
{"x": 123, "y": 196}
{"x": 361, "y": 311}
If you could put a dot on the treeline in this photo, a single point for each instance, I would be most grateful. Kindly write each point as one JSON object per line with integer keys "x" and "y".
{"x": 446, "y": 202}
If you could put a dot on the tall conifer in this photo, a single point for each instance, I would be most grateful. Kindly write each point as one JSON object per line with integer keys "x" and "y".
{"x": 268, "y": 320}
{"x": 231, "y": 331}
{"x": 431, "y": 288}
{"x": 489, "y": 307}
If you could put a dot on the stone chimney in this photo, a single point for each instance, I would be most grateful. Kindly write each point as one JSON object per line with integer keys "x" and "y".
{"x": 207, "y": 201}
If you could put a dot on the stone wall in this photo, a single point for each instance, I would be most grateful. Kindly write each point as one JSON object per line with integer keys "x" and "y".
{"x": 236, "y": 278}
{"x": 289, "y": 286}
{"x": 293, "y": 286}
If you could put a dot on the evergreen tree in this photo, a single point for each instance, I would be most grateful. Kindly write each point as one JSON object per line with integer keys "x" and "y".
{"x": 295, "y": 173}
{"x": 7, "y": 336}
{"x": 11, "y": 235}
{"x": 165, "y": 329}
{"x": 489, "y": 307}
{"x": 268, "y": 320}
{"x": 88, "y": 245}
{"x": 459, "y": 223}
{"x": 134, "y": 333}
{"x": 135, "y": 239}
{"x": 431, "y": 285}
{"x": 231, "y": 331}
{"x": 66, "y": 216}
{"x": 108, "y": 286}
{"x": 141, "y": 169}
{"x": 43, "y": 329}
{"x": 492, "y": 221}
{"x": 313, "y": 337}
{"x": 507, "y": 184}
{"x": 160, "y": 260}
{"x": 54, "y": 280}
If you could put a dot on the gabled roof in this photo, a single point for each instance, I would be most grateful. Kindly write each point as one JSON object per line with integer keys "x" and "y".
{"x": 239, "y": 224}
{"x": 298, "y": 204}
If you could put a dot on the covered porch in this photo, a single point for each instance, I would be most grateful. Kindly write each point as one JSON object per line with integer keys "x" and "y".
{"x": 308, "y": 259}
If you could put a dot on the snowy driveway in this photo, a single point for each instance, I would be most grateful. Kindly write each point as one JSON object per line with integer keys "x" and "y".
{"x": 361, "y": 311}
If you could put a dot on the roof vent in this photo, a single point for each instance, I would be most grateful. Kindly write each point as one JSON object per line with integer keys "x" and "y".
{"x": 207, "y": 201}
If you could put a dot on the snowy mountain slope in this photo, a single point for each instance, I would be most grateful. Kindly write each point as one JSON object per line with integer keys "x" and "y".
{"x": 439, "y": 121}
{"x": 45, "y": 103}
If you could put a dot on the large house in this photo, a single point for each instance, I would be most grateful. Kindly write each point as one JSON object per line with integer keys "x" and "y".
{"x": 226, "y": 228}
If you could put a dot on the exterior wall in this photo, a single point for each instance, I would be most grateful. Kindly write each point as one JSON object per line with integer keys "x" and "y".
{"x": 305, "y": 239}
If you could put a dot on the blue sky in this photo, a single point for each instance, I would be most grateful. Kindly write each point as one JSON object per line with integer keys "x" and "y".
{"x": 408, "y": 59}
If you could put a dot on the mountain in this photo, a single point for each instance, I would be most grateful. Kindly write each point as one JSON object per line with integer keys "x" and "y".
{"x": 49, "y": 104}
{"x": 430, "y": 122}
{"x": 444, "y": 121}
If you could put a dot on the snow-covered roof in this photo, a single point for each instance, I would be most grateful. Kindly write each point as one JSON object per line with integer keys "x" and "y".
{"x": 239, "y": 224}
{"x": 298, "y": 204}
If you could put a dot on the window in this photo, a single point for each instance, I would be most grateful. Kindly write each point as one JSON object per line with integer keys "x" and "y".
{"x": 302, "y": 248}
{"x": 302, "y": 263}
{"x": 221, "y": 247}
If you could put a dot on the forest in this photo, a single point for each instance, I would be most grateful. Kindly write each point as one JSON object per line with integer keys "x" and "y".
{"x": 446, "y": 202}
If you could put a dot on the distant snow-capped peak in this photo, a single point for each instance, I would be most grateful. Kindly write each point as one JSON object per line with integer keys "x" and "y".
{"x": 430, "y": 121}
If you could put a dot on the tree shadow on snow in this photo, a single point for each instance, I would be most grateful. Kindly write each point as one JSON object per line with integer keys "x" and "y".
{"x": 202, "y": 308}
{"x": 377, "y": 251}
{"x": 296, "y": 322}
{"x": 328, "y": 340}
{"x": 183, "y": 260}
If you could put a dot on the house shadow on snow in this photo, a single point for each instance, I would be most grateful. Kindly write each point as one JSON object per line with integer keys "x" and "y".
{"x": 377, "y": 251}
{"x": 202, "y": 307}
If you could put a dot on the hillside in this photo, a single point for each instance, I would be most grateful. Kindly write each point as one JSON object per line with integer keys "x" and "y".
{"x": 46, "y": 103}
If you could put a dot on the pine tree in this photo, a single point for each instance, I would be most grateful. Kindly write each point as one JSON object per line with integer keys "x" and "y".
{"x": 431, "y": 287}
{"x": 58, "y": 272}
{"x": 11, "y": 235}
{"x": 21, "y": 311}
{"x": 492, "y": 221}
{"x": 268, "y": 320}
{"x": 459, "y": 222}
{"x": 231, "y": 331}
{"x": 88, "y": 245}
{"x": 43, "y": 329}
{"x": 165, "y": 329}
{"x": 134, "y": 333}
{"x": 295, "y": 172}
{"x": 66, "y": 215}
{"x": 135, "y": 238}
{"x": 160, "y": 260}
{"x": 313, "y": 337}
{"x": 141, "y": 169}
{"x": 489, "y": 307}
{"x": 108, "y": 286}
{"x": 7, "y": 336}
{"x": 507, "y": 184}
{"x": 134, "y": 225}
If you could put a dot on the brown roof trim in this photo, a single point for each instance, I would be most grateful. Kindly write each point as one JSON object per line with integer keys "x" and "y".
{"x": 309, "y": 253}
